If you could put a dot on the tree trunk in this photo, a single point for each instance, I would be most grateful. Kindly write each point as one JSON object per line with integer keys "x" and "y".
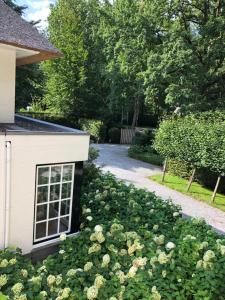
{"x": 216, "y": 188}
{"x": 164, "y": 170}
{"x": 136, "y": 113}
{"x": 191, "y": 179}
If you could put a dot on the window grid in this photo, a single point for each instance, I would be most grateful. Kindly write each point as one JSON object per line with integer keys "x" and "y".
{"x": 67, "y": 200}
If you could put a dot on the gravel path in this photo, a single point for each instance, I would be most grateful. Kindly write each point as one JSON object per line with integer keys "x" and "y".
{"x": 114, "y": 158}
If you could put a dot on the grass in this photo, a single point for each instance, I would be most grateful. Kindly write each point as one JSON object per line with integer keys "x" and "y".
{"x": 197, "y": 191}
{"x": 147, "y": 157}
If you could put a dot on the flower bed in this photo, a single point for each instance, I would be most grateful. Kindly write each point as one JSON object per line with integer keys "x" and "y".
{"x": 132, "y": 246}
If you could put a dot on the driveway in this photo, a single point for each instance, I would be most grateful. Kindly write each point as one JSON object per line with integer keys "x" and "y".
{"x": 113, "y": 158}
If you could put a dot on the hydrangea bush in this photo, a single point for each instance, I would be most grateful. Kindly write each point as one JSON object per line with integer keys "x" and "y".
{"x": 132, "y": 245}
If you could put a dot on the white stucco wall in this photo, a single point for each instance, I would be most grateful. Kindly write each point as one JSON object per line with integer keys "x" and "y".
{"x": 28, "y": 151}
{"x": 2, "y": 189}
{"x": 7, "y": 84}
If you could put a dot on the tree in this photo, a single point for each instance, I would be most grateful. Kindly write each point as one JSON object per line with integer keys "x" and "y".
{"x": 74, "y": 84}
{"x": 188, "y": 68}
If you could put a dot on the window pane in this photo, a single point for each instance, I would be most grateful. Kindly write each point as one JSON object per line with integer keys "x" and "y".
{"x": 56, "y": 174}
{"x": 41, "y": 212}
{"x": 53, "y": 210}
{"x": 42, "y": 194}
{"x": 52, "y": 227}
{"x": 66, "y": 190}
{"x": 40, "y": 230}
{"x": 64, "y": 224}
{"x": 65, "y": 208}
{"x": 67, "y": 173}
{"x": 54, "y": 192}
{"x": 43, "y": 175}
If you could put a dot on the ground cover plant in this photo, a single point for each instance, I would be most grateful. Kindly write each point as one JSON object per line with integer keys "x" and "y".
{"x": 197, "y": 191}
{"x": 146, "y": 154}
{"x": 132, "y": 245}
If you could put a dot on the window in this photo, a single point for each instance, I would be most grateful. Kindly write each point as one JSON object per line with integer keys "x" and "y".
{"x": 53, "y": 201}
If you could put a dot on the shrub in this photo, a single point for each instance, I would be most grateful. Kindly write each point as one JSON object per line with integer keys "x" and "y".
{"x": 114, "y": 135}
{"x": 132, "y": 245}
{"x": 179, "y": 168}
{"x": 143, "y": 138}
{"x": 95, "y": 128}
{"x": 146, "y": 154}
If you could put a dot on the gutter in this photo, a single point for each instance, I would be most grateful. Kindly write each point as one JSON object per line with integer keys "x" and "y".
{"x": 7, "y": 191}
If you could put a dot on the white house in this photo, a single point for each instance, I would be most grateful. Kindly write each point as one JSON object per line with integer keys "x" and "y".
{"x": 40, "y": 163}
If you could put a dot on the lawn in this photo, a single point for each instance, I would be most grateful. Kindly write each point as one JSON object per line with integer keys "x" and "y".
{"x": 197, "y": 191}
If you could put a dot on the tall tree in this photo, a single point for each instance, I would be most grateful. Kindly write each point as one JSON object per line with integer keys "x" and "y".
{"x": 74, "y": 84}
{"x": 188, "y": 68}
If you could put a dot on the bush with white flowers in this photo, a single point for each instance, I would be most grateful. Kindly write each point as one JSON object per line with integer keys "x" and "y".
{"x": 132, "y": 245}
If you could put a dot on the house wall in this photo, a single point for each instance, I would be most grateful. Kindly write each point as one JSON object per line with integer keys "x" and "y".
{"x": 7, "y": 84}
{"x": 27, "y": 151}
{"x": 2, "y": 189}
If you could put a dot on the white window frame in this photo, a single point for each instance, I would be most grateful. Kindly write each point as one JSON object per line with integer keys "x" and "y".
{"x": 48, "y": 185}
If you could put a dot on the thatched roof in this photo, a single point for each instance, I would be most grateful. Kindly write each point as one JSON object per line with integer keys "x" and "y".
{"x": 17, "y": 32}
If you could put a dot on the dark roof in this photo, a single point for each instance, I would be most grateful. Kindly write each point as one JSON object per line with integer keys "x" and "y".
{"x": 17, "y": 32}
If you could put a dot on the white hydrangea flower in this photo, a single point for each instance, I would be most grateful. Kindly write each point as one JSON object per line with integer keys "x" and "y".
{"x": 24, "y": 273}
{"x": 21, "y": 297}
{"x": 58, "y": 279}
{"x": 155, "y": 227}
{"x": 61, "y": 251}
{"x": 164, "y": 273}
{"x": 62, "y": 237}
{"x": 3, "y": 280}
{"x": 170, "y": 246}
{"x": 155, "y": 294}
{"x": 120, "y": 274}
{"x": 98, "y": 228}
{"x": 64, "y": 293}
{"x": 162, "y": 258}
{"x": 100, "y": 237}
{"x": 140, "y": 262}
{"x": 94, "y": 248}
{"x": 17, "y": 288}
{"x": 112, "y": 298}
{"x": 4, "y": 263}
{"x": 12, "y": 261}
{"x": 132, "y": 271}
{"x": 176, "y": 214}
{"x": 88, "y": 266}
{"x": 208, "y": 256}
{"x": 159, "y": 240}
{"x": 99, "y": 281}
{"x": 89, "y": 218}
{"x": 105, "y": 260}
{"x": 51, "y": 279}
{"x": 92, "y": 293}
{"x": 116, "y": 266}
{"x": 71, "y": 272}
{"x": 199, "y": 264}
{"x": 222, "y": 249}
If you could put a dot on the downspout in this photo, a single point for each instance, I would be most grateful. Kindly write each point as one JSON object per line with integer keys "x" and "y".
{"x": 7, "y": 191}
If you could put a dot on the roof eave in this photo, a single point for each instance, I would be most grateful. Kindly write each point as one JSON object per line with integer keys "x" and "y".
{"x": 41, "y": 56}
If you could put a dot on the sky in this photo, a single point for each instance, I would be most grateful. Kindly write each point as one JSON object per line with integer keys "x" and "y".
{"x": 37, "y": 10}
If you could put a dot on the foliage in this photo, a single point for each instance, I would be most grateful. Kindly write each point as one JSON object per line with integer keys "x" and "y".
{"x": 146, "y": 154}
{"x": 197, "y": 191}
{"x": 187, "y": 68}
{"x": 93, "y": 154}
{"x": 132, "y": 245}
{"x": 143, "y": 138}
{"x": 114, "y": 134}
{"x": 74, "y": 81}
{"x": 95, "y": 128}
{"x": 193, "y": 140}
{"x": 179, "y": 168}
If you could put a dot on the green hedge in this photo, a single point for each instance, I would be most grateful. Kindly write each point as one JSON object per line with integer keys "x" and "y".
{"x": 146, "y": 154}
{"x": 132, "y": 245}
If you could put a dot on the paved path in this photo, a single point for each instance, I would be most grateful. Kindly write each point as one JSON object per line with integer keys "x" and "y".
{"x": 114, "y": 158}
